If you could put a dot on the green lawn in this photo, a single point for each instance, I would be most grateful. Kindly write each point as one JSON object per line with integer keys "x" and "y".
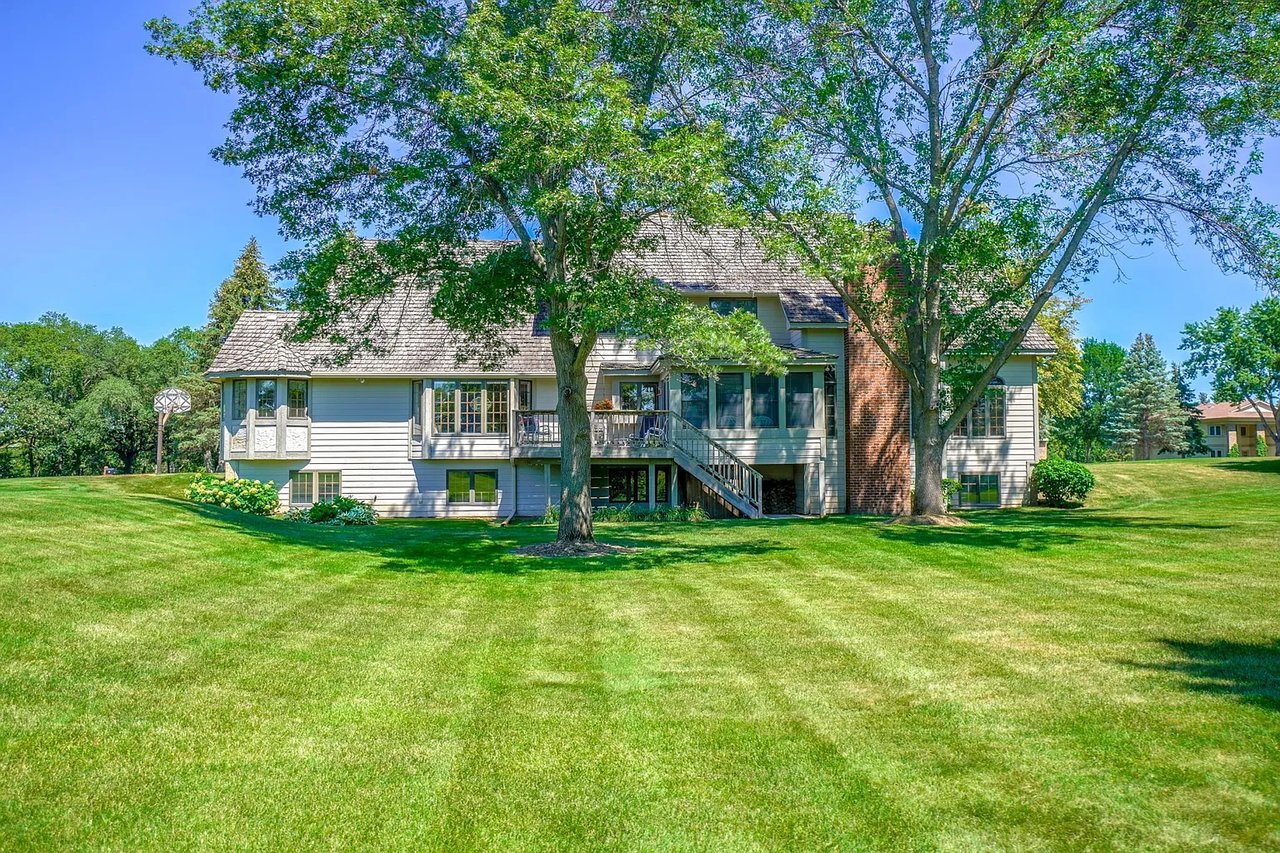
{"x": 175, "y": 676}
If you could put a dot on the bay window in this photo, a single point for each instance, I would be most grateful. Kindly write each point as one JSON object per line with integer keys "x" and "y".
{"x": 266, "y": 402}
{"x": 297, "y": 396}
{"x": 239, "y": 399}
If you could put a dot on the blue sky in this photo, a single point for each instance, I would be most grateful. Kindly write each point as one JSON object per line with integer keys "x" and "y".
{"x": 113, "y": 212}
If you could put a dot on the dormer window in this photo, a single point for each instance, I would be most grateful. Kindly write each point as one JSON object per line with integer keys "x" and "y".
{"x": 726, "y": 306}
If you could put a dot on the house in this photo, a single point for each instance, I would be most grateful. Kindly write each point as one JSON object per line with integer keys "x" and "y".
{"x": 420, "y": 428}
{"x": 1228, "y": 425}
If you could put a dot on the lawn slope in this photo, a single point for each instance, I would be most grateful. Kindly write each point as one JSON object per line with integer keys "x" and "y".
{"x": 179, "y": 676}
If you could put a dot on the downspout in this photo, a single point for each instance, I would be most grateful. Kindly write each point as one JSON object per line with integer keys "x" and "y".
{"x": 515, "y": 496}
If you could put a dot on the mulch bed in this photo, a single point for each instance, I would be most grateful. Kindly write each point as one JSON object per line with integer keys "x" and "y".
{"x": 572, "y": 549}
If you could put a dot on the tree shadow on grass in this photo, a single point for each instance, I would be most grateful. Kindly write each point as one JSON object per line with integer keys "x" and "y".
{"x": 441, "y": 546}
{"x": 1032, "y": 529}
{"x": 1252, "y": 466}
{"x": 1250, "y": 672}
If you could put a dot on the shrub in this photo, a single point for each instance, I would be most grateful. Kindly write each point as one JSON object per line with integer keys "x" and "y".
{"x": 1061, "y": 482}
{"x": 1262, "y": 445}
{"x": 251, "y": 496}
{"x": 339, "y": 512}
{"x": 1234, "y": 452}
{"x": 949, "y": 489}
{"x": 629, "y": 512}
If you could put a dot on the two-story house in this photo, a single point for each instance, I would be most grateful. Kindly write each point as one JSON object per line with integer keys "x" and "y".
{"x": 419, "y": 429}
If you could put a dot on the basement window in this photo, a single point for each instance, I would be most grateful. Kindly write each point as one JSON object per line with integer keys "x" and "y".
{"x": 979, "y": 490}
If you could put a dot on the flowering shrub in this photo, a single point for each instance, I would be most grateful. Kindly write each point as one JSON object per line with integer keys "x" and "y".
{"x": 339, "y": 512}
{"x": 251, "y": 496}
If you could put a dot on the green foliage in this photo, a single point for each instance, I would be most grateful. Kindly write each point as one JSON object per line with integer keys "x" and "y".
{"x": 249, "y": 288}
{"x": 1061, "y": 376}
{"x": 1240, "y": 352}
{"x": 566, "y": 124}
{"x": 949, "y": 488}
{"x": 1234, "y": 452}
{"x": 114, "y": 419}
{"x": 1148, "y": 419}
{"x": 251, "y": 496}
{"x": 1086, "y": 434}
{"x": 1061, "y": 482}
{"x": 1010, "y": 146}
{"x": 1262, "y": 444}
{"x": 339, "y": 512}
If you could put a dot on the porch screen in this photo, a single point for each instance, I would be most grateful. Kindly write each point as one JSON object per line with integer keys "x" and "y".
{"x": 729, "y": 401}
{"x": 693, "y": 399}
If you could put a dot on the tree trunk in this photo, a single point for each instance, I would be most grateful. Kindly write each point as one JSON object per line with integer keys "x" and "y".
{"x": 926, "y": 495}
{"x": 575, "y": 441}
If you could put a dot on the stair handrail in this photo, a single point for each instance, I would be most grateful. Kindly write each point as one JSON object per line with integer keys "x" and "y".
{"x": 746, "y": 481}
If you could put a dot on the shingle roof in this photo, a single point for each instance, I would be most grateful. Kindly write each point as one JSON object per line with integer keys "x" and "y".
{"x": 1233, "y": 411}
{"x": 406, "y": 339}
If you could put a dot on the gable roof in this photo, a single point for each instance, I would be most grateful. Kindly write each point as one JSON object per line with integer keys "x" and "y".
{"x": 406, "y": 339}
{"x": 1233, "y": 411}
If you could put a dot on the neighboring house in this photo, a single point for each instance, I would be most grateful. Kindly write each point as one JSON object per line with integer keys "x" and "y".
{"x": 421, "y": 429}
{"x": 1228, "y": 425}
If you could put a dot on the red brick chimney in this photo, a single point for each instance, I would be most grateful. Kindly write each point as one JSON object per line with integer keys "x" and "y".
{"x": 877, "y": 429}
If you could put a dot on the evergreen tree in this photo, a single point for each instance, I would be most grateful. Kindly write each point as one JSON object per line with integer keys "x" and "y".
{"x": 248, "y": 289}
{"x": 1080, "y": 435}
{"x": 1187, "y": 399}
{"x": 1148, "y": 417}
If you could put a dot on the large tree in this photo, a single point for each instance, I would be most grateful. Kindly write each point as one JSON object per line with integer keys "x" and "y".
{"x": 1148, "y": 418}
{"x": 426, "y": 124}
{"x": 248, "y": 288}
{"x": 1060, "y": 377}
{"x": 1194, "y": 430}
{"x": 1007, "y": 146}
{"x": 1088, "y": 430}
{"x": 1240, "y": 352}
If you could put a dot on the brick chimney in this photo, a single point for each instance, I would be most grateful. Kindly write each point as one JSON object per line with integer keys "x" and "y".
{"x": 877, "y": 429}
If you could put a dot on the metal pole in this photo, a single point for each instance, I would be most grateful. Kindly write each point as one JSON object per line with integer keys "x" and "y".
{"x": 164, "y": 416}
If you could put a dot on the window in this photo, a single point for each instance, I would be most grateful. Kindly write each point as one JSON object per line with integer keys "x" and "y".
{"x": 1215, "y": 430}
{"x": 470, "y": 407}
{"x": 764, "y": 401}
{"x": 524, "y": 394}
{"x": 729, "y": 401}
{"x": 239, "y": 399}
{"x": 693, "y": 399}
{"x": 266, "y": 398}
{"x": 472, "y": 487}
{"x": 297, "y": 398}
{"x": 979, "y": 490}
{"x": 986, "y": 420}
{"x": 445, "y": 399}
{"x": 497, "y": 407}
{"x": 662, "y": 484}
{"x": 415, "y": 409}
{"x": 301, "y": 488}
{"x": 639, "y": 396}
{"x": 628, "y": 484}
{"x": 799, "y": 400}
{"x": 328, "y": 485}
{"x": 725, "y": 306}
{"x": 829, "y": 397}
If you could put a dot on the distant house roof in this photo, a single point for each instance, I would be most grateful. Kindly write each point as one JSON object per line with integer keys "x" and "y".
{"x": 404, "y": 337}
{"x": 1233, "y": 411}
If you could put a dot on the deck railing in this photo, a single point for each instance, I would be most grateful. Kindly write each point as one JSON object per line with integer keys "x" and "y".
{"x": 610, "y": 428}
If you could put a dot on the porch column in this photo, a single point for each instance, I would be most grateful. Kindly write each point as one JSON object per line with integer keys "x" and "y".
{"x": 653, "y": 486}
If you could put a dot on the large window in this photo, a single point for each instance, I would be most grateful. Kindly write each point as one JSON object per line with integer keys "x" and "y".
{"x": 306, "y": 487}
{"x": 302, "y": 488}
{"x": 445, "y": 406}
{"x": 727, "y": 305}
{"x": 800, "y": 400}
{"x": 497, "y": 407}
{"x": 472, "y": 487}
{"x": 986, "y": 420}
{"x": 639, "y": 396}
{"x": 628, "y": 484}
{"x": 693, "y": 399}
{"x": 415, "y": 409}
{"x": 729, "y": 401}
{"x": 266, "y": 398}
{"x": 298, "y": 398}
{"x": 328, "y": 485}
{"x": 764, "y": 401}
{"x": 239, "y": 399}
{"x": 979, "y": 490}
{"x": 471, "y": 407}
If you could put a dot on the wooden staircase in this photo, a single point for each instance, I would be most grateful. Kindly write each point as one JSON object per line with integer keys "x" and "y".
{"x": 736, "y": 482}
